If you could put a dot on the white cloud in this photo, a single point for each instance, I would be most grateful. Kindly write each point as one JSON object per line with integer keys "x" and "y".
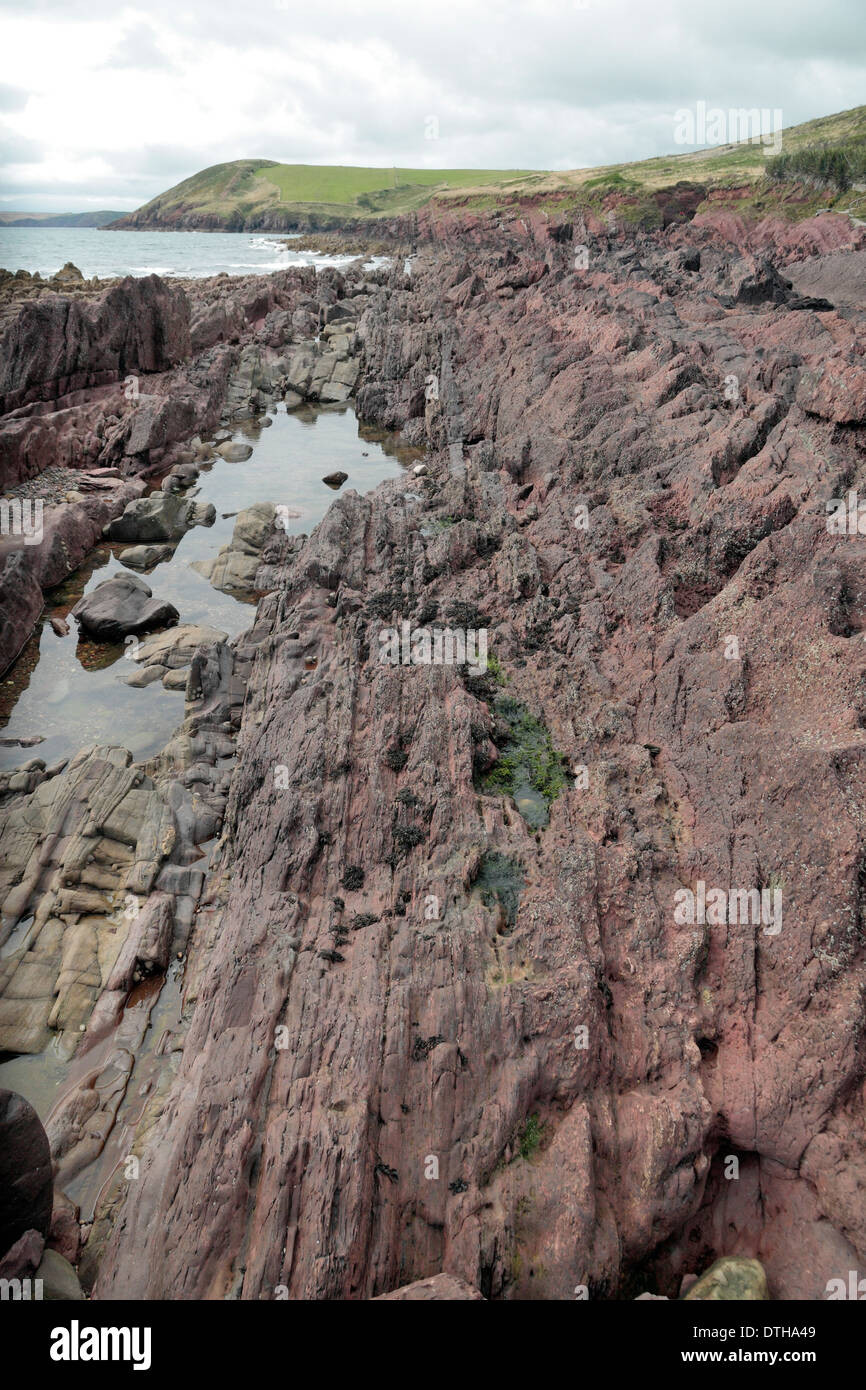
{"x": 104, "y": 94}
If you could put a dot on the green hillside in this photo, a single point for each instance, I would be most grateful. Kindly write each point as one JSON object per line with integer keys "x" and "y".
{"x": 250, "y": 194}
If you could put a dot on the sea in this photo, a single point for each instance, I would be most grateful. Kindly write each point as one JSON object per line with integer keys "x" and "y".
{"x": 187, "y": 254}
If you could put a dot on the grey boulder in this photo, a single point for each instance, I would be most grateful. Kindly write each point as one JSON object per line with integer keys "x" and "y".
{"x": 121, "y": 605}
{"x": 162, "y": 517}
{"x": 26, "y": 1181}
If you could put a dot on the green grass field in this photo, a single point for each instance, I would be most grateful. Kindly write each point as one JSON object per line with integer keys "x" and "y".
{"x": 344, "y": 183}
{"x": 247, "y": 187}
{"x": 241, "y": 193}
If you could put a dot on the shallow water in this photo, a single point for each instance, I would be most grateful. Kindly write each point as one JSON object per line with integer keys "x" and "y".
{"x": 71, "y": 692}
{"x": 188, "y": 254}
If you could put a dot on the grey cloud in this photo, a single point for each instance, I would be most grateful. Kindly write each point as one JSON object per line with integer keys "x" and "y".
{"x": 537, "y": 83}
{"x": 139, "y": 49}
{"x": 12, "y": 98}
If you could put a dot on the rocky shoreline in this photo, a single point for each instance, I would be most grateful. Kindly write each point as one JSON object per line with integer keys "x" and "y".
{"x": 438, "y": 1020}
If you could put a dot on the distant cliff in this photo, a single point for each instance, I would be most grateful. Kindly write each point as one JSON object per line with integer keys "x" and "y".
{"x": 62, "y": 219}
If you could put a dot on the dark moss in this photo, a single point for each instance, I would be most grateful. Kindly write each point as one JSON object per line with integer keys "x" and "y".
{"x": 407, "y": 836}
{"x": 384, "y": 603}
{"x": 500, "y": 880}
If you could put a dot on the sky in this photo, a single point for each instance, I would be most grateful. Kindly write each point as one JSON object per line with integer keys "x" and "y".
{"x": 104, "y": 105}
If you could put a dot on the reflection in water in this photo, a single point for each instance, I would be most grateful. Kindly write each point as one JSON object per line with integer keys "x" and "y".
{"x": 70, "y": 692}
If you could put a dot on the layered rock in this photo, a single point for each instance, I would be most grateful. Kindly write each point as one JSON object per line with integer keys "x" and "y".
{"x": 426, "y": 1036}
{"x": 119, "y": 380}
{"x": 446, "y": 1026}
{"x": 55, "y": 345}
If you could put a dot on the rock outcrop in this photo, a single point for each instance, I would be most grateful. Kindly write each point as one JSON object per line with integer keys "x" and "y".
{"x": 26, "y": 1182}
{"x": 429, "y": 1033}
{"x": 119, "y": 380}
{"x": 69, "y": 533}
{"x": 459, "y": 992}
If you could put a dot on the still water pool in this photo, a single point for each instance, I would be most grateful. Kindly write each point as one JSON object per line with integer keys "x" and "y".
{"x": 70, "y": 692}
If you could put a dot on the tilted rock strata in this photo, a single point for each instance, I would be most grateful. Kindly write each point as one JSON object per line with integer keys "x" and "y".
{"x": 389, "y": 1075}
{"x": 117, "y": 381}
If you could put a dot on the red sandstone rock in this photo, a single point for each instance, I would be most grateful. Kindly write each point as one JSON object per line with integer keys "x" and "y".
{"x": 55, "y": 345}
{"x": 547, "y": 1099}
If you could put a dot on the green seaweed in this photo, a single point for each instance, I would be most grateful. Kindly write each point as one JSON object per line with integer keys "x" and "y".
{"x": 530, "y": 1137}
{"x": 528, "y": 768}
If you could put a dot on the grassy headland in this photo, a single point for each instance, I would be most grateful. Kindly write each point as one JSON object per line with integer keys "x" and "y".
{"x": 820, "y": 166}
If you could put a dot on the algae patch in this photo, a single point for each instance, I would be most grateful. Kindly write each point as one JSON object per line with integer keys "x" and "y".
{"x": 528, "y": 768}
{"x": 500, "y": 880}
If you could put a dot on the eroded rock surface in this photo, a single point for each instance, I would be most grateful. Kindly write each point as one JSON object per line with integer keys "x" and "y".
{"x": 443, "y": 1009}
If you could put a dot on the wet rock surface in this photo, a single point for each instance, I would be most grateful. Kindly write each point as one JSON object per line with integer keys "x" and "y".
{"x": 166, "y": 517}
{"x": 102, "y": 382}
{"x": 234, "y": 569}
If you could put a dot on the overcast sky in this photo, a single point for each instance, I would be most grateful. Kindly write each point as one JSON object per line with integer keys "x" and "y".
{"x": 104, "y": 105}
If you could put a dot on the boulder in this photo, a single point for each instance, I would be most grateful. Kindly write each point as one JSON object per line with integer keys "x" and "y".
{"x": 252, "y": 527}
{"x": 59, "y": 1280}
{"x": 335, "y": 480}
{"x": 144, "y": 557}
{"x": 231, "y": 570}
{"x": 121, "y": 605}
{"x": 234, "y": 452}
{"x": 177, "y": 647}
{"x": 162, "y": 517}
{"x": 334, "y": 393}
{"x": 26, "y": 1182}
{"x": 24, "y": 1257}
{"x": 234, "y": 569}
{"x": 731, "y": 1278}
